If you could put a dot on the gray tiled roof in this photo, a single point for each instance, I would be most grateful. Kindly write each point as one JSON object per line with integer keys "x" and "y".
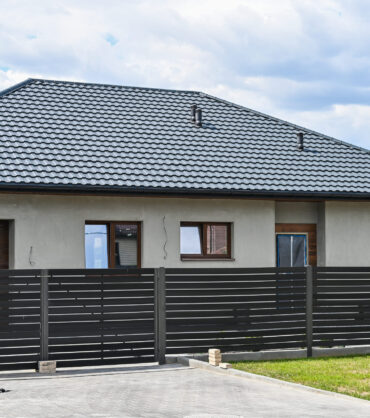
{"x": 92, "y": 136}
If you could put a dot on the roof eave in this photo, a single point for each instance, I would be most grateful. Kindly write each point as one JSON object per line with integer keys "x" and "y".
{"x": 182, "y": 192}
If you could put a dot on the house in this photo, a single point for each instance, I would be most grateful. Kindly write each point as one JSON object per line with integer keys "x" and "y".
{"x": 97, "y": 176}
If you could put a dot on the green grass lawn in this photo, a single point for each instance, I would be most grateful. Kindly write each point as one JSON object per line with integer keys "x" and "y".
{"x": 347, "y": 375}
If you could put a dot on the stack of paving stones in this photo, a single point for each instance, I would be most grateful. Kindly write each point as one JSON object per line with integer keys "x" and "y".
{"x": 214, "y": 356}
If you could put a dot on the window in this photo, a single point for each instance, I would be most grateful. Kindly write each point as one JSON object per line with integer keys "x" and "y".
{"x": 205, "y": 240}
{"x": 112, "y": 244}
{"x": 298, "y": 247}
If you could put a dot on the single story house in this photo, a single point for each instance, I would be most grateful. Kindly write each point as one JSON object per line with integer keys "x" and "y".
{"x": 97, "y": 176}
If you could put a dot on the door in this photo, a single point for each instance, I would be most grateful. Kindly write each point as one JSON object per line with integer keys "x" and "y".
{"x": 4, "y": 244}
{"x": 296, "y": 245}
{"x": 291, "y": 250}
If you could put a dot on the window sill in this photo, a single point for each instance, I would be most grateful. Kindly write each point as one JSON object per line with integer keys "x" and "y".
{"x": 206, "y": 259}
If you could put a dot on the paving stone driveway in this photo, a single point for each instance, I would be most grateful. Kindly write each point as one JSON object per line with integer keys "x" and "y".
{"x": 166, "y": 391}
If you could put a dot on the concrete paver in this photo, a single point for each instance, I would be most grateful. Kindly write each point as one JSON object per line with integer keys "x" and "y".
{"x": 164, "y": 391}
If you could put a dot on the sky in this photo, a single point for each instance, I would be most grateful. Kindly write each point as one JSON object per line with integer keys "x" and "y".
{"x": 304, "y": 61}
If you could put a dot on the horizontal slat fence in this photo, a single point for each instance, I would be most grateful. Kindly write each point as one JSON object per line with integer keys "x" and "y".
{"x": 235, "y": 309}
{"x": 101, "y": 317}
{"x": 341, "y": 312}
{"x": 117, "y": 316}
{"x": 19, "y": 319}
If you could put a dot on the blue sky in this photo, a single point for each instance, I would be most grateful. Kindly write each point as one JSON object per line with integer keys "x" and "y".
{"x": 304, "y": 61}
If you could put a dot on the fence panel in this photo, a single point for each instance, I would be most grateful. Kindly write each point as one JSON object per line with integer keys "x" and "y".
{"x": 101, "y": 316}
{"x": 341, "y": 313}
{"x": 235, "y": 309}
{"x": 111, "y": 317}
{"x": 19, "y": 319}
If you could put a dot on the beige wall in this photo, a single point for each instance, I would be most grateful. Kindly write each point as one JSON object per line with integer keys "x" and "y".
{"x": 321, "y": 244}
{"x": 296, "y": 212}
{"x": 54, "y": 227}
{"x": 347, "y": 233}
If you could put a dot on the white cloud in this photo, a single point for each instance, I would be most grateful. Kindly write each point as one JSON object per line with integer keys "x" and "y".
{"x": 10, "y": 77}
{"x": 306, "y": 61}
{"x": 350, "y": 123}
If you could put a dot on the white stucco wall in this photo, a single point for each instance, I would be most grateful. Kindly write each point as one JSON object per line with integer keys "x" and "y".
{"x": 347, "y": 233}
{"x": 54, "y": 227}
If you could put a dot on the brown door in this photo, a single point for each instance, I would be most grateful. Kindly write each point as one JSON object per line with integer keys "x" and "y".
{"x": 4, "y": 244}
{"x": 305, "y": 230}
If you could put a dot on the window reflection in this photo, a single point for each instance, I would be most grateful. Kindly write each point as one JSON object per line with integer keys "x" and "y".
{"x": 96, "y": 246}
{"x": 190, "y": 241}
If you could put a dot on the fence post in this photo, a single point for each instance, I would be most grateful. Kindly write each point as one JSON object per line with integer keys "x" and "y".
{"x": 44, "y": 315}
{"x": 309, "y": 309}
{"x": 160, "y": 315}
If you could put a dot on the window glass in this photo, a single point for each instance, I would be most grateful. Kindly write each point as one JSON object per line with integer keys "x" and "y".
{"x": 125, "y": 246}
{"x": 4, "y": 244}
{"x": 96, "y": 246}
{"x": 190, "y": 241}
{"x": 216, "y": 239}
{"x": 291, "y": 250}
{"x": 299, "y": 251}
{"x": 283, "y": 250}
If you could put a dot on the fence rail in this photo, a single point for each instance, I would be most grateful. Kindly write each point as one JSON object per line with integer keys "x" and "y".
{"x": 108, "y": 316}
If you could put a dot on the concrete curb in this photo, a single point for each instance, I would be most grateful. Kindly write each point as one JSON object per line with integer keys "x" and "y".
{"x": 88, "y": 371}
{"x": 280, "y": 354}
{"x": 198, "y": 364}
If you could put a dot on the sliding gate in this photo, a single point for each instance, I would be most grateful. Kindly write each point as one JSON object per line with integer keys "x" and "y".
{"x": 101, "y": 317}
{"x": 77, "y": 317}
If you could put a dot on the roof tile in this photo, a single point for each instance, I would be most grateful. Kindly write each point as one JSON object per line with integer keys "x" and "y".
{"x": 89, "y": 135}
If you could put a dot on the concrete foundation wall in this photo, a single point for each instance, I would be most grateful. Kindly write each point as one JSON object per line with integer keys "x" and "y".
{"x": 347, "y": 233}
{"x": 48, "y": 231}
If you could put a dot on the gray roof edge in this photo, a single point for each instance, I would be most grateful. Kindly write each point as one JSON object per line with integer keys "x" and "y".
{"x": 53, "y": 187}
{"x": 16, "y": 87}
{"x": 87, "y": 83}
{"x": 284, "y": 122}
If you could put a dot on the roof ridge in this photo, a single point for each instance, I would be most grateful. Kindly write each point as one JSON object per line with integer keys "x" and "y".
{"x": 17, "y": 86}
{"x": 284, "y": 122}
{"x": 113, "y": 85}
{"x": 245, "y": 108}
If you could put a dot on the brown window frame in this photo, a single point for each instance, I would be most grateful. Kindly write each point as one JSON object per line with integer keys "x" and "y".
{"x": 203, "y": 238}
{"x": 111, "y": 239}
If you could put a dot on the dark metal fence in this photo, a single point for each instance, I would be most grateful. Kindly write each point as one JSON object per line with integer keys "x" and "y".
{"x": 235, "y": 309}
{"x": 77, "y": 317}
{"x": 88, "y": 317}
{"x": 100, "y": 317}
{"x": 19, "y": 319}
{"x": 341, "y": 314}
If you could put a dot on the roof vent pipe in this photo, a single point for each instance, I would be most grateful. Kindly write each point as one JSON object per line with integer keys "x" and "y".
{"x": 198, "y": 117}
{"x": 193, "y": 111}
{"x": 300, "y": 141}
